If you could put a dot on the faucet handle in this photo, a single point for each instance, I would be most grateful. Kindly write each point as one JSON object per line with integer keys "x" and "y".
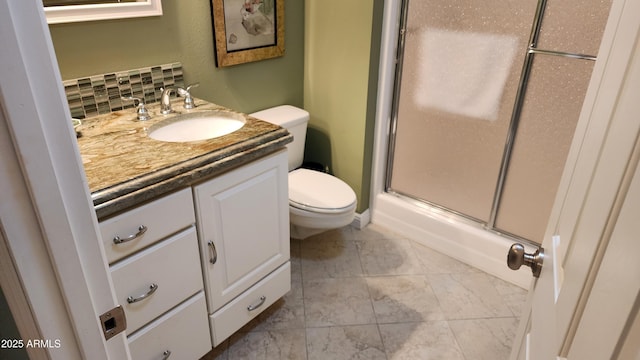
{"x": 194, "y": 85}
{"x": 188, "y": 100}
{"x": 143, "y": 113}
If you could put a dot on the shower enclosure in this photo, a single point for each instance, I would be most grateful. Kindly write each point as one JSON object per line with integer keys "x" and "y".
{"x": 487, "y": 96}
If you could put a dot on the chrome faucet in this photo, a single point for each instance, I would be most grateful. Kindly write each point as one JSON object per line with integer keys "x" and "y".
{"x": 165, "y": 100}
{"x": 141, "y": 110}
{"x": 188, "y": 99}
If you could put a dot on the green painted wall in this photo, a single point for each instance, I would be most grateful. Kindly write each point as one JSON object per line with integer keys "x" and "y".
{"x": 342, "y": 42}
{"x": 184, "y": 33}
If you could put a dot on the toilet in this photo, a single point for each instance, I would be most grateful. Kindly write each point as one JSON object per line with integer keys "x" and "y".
{"x": 317, "y": 201}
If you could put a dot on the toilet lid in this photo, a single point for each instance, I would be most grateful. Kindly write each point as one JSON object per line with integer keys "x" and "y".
{"x": 314, "y": 190}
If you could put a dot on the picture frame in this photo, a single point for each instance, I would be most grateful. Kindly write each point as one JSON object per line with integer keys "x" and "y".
{"x": 247, "y": 30}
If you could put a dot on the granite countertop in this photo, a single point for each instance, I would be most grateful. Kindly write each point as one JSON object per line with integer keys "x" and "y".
{"x": 125, "y": 167}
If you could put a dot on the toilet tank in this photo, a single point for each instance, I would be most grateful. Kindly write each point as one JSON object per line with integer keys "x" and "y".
{"x": 295, "y": 121}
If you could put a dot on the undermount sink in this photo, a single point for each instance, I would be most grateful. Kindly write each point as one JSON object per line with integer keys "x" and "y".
{"x": 196, "y": 126}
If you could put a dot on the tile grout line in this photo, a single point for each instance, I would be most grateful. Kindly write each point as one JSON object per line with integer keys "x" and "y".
{"x": 375, "y": 315}
{"x": 304, "y": 308}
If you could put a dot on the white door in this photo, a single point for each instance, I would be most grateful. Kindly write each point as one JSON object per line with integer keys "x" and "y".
{"x": 582, "y": 305}
{"x": 614, "y": 293}
{"x": 51, "y": 251}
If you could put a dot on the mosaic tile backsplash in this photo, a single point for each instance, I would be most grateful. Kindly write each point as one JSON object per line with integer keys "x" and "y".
{"x": 102, "y": 94}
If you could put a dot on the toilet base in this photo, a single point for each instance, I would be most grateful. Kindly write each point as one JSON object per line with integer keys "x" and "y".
{"x": 299, "y": 232}
{"x": 304, "y": 223}
{"x": 299, "y": 229}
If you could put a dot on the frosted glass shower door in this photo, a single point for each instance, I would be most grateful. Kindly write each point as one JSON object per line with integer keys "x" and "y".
{"x": 460, "y": 74}
{"x": 487, "y": 100}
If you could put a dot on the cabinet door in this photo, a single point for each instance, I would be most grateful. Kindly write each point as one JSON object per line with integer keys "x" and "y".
{"x": 243, "y": 227}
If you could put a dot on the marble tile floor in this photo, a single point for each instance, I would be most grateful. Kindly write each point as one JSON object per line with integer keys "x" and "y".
{"x": 371, "y": 294}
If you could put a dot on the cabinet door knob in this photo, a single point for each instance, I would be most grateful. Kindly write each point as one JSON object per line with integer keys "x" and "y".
{"x": 166, "y": 354}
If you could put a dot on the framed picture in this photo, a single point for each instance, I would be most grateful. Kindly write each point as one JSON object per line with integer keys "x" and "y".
{"x": 247, "y": 30}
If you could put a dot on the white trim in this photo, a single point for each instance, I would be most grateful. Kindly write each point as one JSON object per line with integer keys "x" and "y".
{"x": 602, "y": 157}
{"x": 25, "y": 244}
{"x": 78, "y": 13}
{"x": 467, "y": 243}
{"x": 48, "y": 218}
{"x": 360, "y": 221}
{"x": 18, "y": 217}
{"x": 14, "y": 293}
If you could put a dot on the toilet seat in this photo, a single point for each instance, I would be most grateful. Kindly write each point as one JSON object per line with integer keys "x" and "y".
{"x": 318, "y": 192}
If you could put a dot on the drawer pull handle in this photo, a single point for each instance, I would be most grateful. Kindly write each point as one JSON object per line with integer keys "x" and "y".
{"x": 141, "y": 230}
{"x": 152, "y": 289}
{"x": 166, "y": 354}
{"x": 214, "y": 253}
{"x": 255, "y": 306}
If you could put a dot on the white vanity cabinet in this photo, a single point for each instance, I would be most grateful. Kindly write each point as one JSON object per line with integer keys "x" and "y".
{"x": 154, "y": 262}
{"x": 243, "y": 231}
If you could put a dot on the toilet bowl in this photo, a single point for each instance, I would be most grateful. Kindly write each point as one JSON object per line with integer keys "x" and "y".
{"x": 317, "y": 201}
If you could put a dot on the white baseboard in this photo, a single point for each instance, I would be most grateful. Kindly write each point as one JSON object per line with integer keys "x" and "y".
{"x": 470, "y": 244}
{"x": 361, "y": 220}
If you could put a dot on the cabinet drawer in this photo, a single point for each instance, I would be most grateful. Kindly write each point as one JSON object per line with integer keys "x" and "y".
{"x": 235, "y": 314}
{"x": 161, "y": 218}
{"x": 173, "y": 265}
{"x": 183, "y": 331}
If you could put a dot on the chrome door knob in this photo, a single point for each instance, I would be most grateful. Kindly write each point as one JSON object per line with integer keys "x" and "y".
{"x": 518, "y": 257}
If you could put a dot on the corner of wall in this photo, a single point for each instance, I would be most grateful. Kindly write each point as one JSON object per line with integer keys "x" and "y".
{"x": 337, "y": 81}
